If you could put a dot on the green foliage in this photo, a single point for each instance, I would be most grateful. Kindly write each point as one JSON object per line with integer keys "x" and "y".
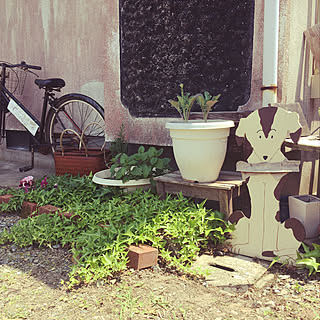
{"x": 206, "y": 101}
{"x": 119, "y": 145}
{"x": 15, "y": 203}
{"x": 310, "y": 259}
{"x": 184, "y": 104}
{"x": 106, "y": 225}
{"x": 65, "y": 192}
{"x": 141, "y": 165}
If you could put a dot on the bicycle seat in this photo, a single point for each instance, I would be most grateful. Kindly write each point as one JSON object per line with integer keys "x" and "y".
{"x": 54, "y": 83}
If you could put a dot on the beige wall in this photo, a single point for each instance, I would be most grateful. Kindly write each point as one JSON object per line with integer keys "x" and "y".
{"x": 65, "y": 37}
{"x": 294, "y": 65}
{"x": 295, "y": 59}
{"x": 79, "y": 41}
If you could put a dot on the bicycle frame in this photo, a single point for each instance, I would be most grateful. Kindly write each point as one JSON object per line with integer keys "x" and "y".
{"x": 41, "y": 131}
{"x": 9, "y": 103}
{"x": 21, "y": 113}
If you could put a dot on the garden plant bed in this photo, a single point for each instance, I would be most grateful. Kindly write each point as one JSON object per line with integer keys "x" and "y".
{"x": 153, "y": 293}
{"x": 89, "y": 255}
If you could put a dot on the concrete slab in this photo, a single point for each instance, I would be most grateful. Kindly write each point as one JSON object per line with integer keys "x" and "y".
{"x": 23, "y": 157}
{"x": 231, "y": 273}
{"x": 10, "y": 174}
{"x": 12, "y": 160}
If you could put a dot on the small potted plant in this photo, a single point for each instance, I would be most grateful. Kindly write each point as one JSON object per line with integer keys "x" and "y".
{"x": 135, "y": 171}
{"x": 199, "y": 146}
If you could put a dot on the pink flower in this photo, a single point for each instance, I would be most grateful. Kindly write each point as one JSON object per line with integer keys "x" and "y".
{"x": 44, "y": 182}
{"x": 26, "y": 183}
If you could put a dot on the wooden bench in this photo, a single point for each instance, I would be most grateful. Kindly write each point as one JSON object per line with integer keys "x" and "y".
{"x": 224, "y": 189}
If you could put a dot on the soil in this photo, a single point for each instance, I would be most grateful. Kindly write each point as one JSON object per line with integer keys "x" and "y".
{"x": 30, "y": 288}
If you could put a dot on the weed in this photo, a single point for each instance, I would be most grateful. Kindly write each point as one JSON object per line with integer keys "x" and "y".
{"x": 317, "y": 315}
{"x": 160, "y": 301}
{"x": 128, "y": 304}
{"x": 268, "y": 313}
{"x": 298, "y": 288}
{"x": 310, "y": 259}
{"x": 119, "y": 145}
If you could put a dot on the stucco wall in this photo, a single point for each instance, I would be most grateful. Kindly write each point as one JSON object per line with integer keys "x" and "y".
{"x": 65, "y": 37}
{"x": 293, "y": 71}
{"x": 295, "y": 59}
{"x": 79, "y": 41}
{"x": 152, "y": 130}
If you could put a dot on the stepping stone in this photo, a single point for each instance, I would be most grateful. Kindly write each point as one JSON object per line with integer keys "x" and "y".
{"x": 231, "y": 273}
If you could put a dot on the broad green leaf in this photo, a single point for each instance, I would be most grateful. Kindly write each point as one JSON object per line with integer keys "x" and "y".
{"x": 123, "y": 158}
{"x": 175, "y": 104}
{"x": 136, "y": 171}
{"x": 146, "y": 170}
{"x": 153, "y": 161}
{"x": 310, "y": 263}
{"x": 141, "y": 149}
{"x": 120, "y": 173}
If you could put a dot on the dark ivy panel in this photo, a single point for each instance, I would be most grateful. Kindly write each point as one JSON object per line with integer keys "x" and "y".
{"x": 204, "y": 44}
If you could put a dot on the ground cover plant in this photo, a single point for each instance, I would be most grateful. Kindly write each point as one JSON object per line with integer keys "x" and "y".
{"x": 62, "y": 191}
{"x": 106, "y": 222}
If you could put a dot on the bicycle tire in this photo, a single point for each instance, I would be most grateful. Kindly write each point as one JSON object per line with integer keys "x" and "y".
{"x": 77, "y": 112}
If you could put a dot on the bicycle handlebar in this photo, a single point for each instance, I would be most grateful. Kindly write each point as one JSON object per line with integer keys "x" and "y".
{"x": 22, "y": 64}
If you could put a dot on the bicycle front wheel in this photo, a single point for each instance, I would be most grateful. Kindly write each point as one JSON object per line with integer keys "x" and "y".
{"x": 79, "y": 113}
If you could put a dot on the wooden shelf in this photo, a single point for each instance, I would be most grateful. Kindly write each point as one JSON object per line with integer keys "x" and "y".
{"x": 224, "y": 189}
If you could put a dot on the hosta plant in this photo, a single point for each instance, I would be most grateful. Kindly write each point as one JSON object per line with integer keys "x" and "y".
{"x": 141, "y": 165}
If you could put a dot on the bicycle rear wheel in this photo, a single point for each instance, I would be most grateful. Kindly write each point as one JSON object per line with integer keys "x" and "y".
{"x": 79, "y": 113}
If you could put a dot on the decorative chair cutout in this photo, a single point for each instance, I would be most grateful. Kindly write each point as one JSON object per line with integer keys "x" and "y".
{"x": 263, "y": 235}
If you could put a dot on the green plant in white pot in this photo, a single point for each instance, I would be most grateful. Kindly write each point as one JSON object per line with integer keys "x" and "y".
{"x": 134, "y": 171}
{"x": 199, "y": 146}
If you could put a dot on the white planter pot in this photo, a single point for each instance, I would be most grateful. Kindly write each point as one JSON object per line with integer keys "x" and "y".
{"x": 306, "y": 208}
{"x": 103, "y": 178}
{"x": 200, "y": 147}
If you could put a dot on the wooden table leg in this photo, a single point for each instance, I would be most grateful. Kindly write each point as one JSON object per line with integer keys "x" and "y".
{"x": 307, "y": 172}
{"x": 317, "y": 183}
{"x": 160, "y": 189}
{"x": 225, "y": 203}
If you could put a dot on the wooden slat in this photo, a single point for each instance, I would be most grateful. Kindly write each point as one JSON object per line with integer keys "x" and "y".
{"x": 223, "y": 190}
{"x": 304, "y": 144}
{"x": 284, "y": 166}
{"x": 225, "y": 181}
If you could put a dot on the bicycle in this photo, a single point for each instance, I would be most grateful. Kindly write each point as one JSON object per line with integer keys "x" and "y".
{"x": 73, "y": 111}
